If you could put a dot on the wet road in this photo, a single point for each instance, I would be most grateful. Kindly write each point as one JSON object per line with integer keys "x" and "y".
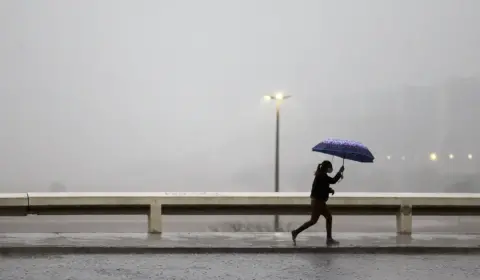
{"x": 119, "y": 224}
{"x": 234, "y": 242}
{"x": 238, "y": 266}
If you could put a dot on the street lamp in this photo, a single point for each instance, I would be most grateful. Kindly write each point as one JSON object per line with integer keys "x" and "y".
{"x": 278, "y": 97}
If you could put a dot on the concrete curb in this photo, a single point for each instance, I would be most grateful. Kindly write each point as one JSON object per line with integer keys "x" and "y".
{"x": 68, "y": 250}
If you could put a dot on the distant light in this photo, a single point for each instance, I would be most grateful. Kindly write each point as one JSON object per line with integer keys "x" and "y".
{"x": 403, "y": 157}
{"x": 433, "y": 156}
{"x": 470, "y": 156}
{"x": 267, "y": 97}
{"x": 451, "y": 156}
{"x": 389, "y": 157}
{"x": 279, "y": 96}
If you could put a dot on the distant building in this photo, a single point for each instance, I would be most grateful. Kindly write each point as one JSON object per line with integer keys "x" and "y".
{"x": 460, "y": 117}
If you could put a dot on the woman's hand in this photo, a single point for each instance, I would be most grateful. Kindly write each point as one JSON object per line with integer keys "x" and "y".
{"x": 341, "y": 169}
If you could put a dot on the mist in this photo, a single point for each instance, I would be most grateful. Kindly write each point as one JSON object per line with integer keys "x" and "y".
{"x": 167, "y": 95}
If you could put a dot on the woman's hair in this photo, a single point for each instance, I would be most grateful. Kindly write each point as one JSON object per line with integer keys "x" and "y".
{"x": 323, "y": 167}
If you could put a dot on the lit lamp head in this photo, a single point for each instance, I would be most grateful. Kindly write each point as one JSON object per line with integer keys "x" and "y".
{"x": 279, "y": 96}
{"x": 470, "y": 156}
{"x": 433, "y": 156}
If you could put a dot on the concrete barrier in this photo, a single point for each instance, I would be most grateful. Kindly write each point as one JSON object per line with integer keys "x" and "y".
{"x": 402, "y": 205}
{"x": 13, "y": 204}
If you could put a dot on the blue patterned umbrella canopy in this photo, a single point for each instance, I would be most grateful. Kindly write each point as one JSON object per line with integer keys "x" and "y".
{"x": 345, "y": 149}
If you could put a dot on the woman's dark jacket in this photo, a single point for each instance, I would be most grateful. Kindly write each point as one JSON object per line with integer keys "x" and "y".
{"x": 321, "y": 186}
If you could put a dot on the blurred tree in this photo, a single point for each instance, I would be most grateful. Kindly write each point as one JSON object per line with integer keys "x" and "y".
{"x": 57, "y": 187}
{"x": 463, "y": 184}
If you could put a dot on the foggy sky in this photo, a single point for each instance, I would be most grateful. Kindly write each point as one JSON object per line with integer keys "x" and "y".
{"x": 118, "y": 95}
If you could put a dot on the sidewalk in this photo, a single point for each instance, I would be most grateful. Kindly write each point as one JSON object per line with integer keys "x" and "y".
{"x": 138, "y": 243}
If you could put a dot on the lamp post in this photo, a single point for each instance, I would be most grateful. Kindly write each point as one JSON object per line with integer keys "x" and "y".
{"x": 278, "y": 97}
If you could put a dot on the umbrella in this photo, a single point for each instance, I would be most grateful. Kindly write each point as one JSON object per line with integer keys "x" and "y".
{"x": 346, "y": 149}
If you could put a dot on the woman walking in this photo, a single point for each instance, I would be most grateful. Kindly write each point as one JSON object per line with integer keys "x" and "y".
{"x": 319, "y": 195}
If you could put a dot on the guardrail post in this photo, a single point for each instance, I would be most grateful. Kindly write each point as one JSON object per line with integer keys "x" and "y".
{"x": 404, "y": 220}
{"x": 155, "y": 219}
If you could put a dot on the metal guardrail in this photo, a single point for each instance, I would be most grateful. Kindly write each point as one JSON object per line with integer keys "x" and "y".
{"x": 402, "y": 205}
